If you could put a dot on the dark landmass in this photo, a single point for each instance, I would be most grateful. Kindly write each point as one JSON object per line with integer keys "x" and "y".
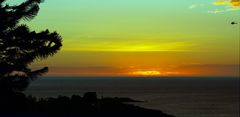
{"x": 120, "y": 99}
{"x": 75, "y": 106}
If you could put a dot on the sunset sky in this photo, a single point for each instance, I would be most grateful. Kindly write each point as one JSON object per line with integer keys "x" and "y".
{"x": 142, "y": 37}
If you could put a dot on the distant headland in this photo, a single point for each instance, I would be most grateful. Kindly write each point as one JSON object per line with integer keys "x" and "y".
{"x": 17, "y": 104}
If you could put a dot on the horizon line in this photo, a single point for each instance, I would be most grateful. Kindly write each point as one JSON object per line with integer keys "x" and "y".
{"x": 146, "y": 76}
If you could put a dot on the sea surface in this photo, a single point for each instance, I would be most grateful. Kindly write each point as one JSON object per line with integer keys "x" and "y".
{"x": 179, "y": 96}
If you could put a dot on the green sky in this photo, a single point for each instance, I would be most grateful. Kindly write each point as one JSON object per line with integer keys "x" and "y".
{"x": 120, "y": 37}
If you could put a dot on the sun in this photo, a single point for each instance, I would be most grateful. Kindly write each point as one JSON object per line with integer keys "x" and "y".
{"x": 146, "y": 73}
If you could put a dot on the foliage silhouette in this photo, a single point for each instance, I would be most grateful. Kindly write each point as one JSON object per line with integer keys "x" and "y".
{"x": 19, "y": 46}
{"x": 76, "y": 106}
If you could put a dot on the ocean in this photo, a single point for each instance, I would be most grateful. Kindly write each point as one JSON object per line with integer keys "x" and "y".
{"x": 179, "y": 96}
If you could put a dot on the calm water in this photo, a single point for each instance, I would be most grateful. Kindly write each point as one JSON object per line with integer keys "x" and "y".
{"x": 183, "y": 97}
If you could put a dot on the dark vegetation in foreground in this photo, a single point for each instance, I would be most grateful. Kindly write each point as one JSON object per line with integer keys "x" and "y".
{"x": 88, "y": 105}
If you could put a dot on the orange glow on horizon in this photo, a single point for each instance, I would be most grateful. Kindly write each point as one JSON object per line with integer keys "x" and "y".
{"x": 187, "y": 70}
{"x": 146, "y": 73}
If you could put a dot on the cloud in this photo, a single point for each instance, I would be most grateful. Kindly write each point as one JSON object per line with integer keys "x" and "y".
{"x": 86, "y": 71}
{"x": 193, "y": 6}
{"x": 134, "y": 46}
{"x": 165, "y": 70}
{"x": 209, "y": 70}
{"x": 231, "y": 5}
{"x": 217, "y": 11}
{"x": 234, "y": 3}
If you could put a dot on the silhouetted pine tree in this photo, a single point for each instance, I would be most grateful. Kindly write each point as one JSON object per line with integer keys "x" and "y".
{"x": 19, "y": 46}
